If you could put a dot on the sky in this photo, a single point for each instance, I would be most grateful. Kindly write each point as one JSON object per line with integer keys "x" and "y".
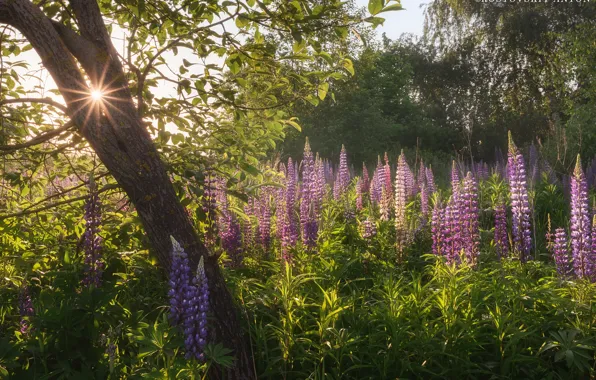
{"x": 410, "y": 20}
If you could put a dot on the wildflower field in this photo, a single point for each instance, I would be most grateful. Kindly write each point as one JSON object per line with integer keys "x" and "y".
{"x": 297, "y": 189}
{"x": 485, "y": 272}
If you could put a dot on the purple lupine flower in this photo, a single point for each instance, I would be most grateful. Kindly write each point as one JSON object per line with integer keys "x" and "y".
{"x": 380, "y": 179}
{"x": 342, "y": 179}
{"x": 452, "y": 230}
{"x": 376, "y": 187}
{"x": 520, "y": 207}
{"x": 320, "y": 185}
{"x": 289, "y": 225}
{"x": 25, "y": 309}
{"x": 561, "y": 254}
{"x": 336, "y": 188}
{"x": 430, "y": 180}
{"x": 592, "y": 258}
{"x": 248, "y": 233}
{"x": 437, "y": 228}
{"x": 195, "y": 319}
{"x": 386, "y": 191}
{"x": 501, "y": 239}
{"x": 388, "y": 183}
{"x": 369, "y": 229}
{"x": 401, "y": 195}
{"x": 309, "y": 199}
{"x": 280, "y": 205}
{"x": 470, "y": 216}
{"x": 581, "y": 244}
{"x": 91, "y": 239}
{"x": 179, "y": 282}
{"x": 411, "y": 188}
{"x": 365, "y": 179}
{"x": 228, "y": 227}
{"x": 264, "y": 218}
{"x": 344, "y": 175}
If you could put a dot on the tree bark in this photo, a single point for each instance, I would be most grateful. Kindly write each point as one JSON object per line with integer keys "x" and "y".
{"x": 117, "y": 134}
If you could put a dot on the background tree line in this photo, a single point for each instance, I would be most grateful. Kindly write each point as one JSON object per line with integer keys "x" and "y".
{"x": 479, "y": 70}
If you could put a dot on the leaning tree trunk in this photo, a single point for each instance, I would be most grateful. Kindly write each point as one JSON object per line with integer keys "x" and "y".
{"x": 116, "y": 132}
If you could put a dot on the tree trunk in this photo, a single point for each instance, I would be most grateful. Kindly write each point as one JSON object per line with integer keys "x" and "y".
{"x": 118, "y": 136}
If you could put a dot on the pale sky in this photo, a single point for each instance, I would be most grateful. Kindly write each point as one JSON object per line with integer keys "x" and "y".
{"x": 410, "y": 20}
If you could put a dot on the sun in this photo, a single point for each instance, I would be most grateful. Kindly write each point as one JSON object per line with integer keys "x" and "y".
{"x": 96, "y": 95}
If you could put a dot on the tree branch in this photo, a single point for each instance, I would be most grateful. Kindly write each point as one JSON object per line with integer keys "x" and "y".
{"x": 38, "y": 139}
{"x": 47, "y": 101}
{"x": 29, "y": 211}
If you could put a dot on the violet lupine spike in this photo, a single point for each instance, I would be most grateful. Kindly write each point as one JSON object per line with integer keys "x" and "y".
{"x": 592, "y": 258}
{"x": 264, "y": 219}
{"x": 377, "y": 183}
{"x": 179, "y": 282}
{"x": 280, "y": 210}
{"x": 401, "y": 196}
{"x": 25, "y": 309}
{"x": 386, "y": 191}
{"x": 248, "y": 233}
{"x": 430, "y": 180}
{"x": 520, "y": 206}
{"x": 195, "y": 319}
{"x": 228, "y": 227}
{"x": 452, "y": 230}
{"x": 289, "y": 226}
{"x": 365, "y": 179}
{"x": 344, "y": 174}
{"x": 470, "y": 216}
{"x": 320, "y": 184}
{"x": 91, "y": 239}
{"x": 412, "y": 190}
{"x": 309, "y": 198}
{"x": 581, "y": 243}
{"x": 388, "y": 183}
{"x": 501, "y": 239}
{"x": 423, "y": 203}
{"x": 561, "y": 254}
{"x": 437, "y": 228}
{"x": 368, "y": 229}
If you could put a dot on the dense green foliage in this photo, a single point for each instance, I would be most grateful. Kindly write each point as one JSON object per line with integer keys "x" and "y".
{"x": 345, "y": 311}
{"x": 481, "y": 69}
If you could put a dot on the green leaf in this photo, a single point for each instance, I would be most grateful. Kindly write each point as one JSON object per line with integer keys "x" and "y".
{"x": 392, "y": 7}
{"x": 375, "y": 21}
{"x": 348, "y": 65}
{"x": 294, "y": 124}
{"x": 250, "y": 169}
{"x": 323, "y": 89}
{"x": 375, "y": 6}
